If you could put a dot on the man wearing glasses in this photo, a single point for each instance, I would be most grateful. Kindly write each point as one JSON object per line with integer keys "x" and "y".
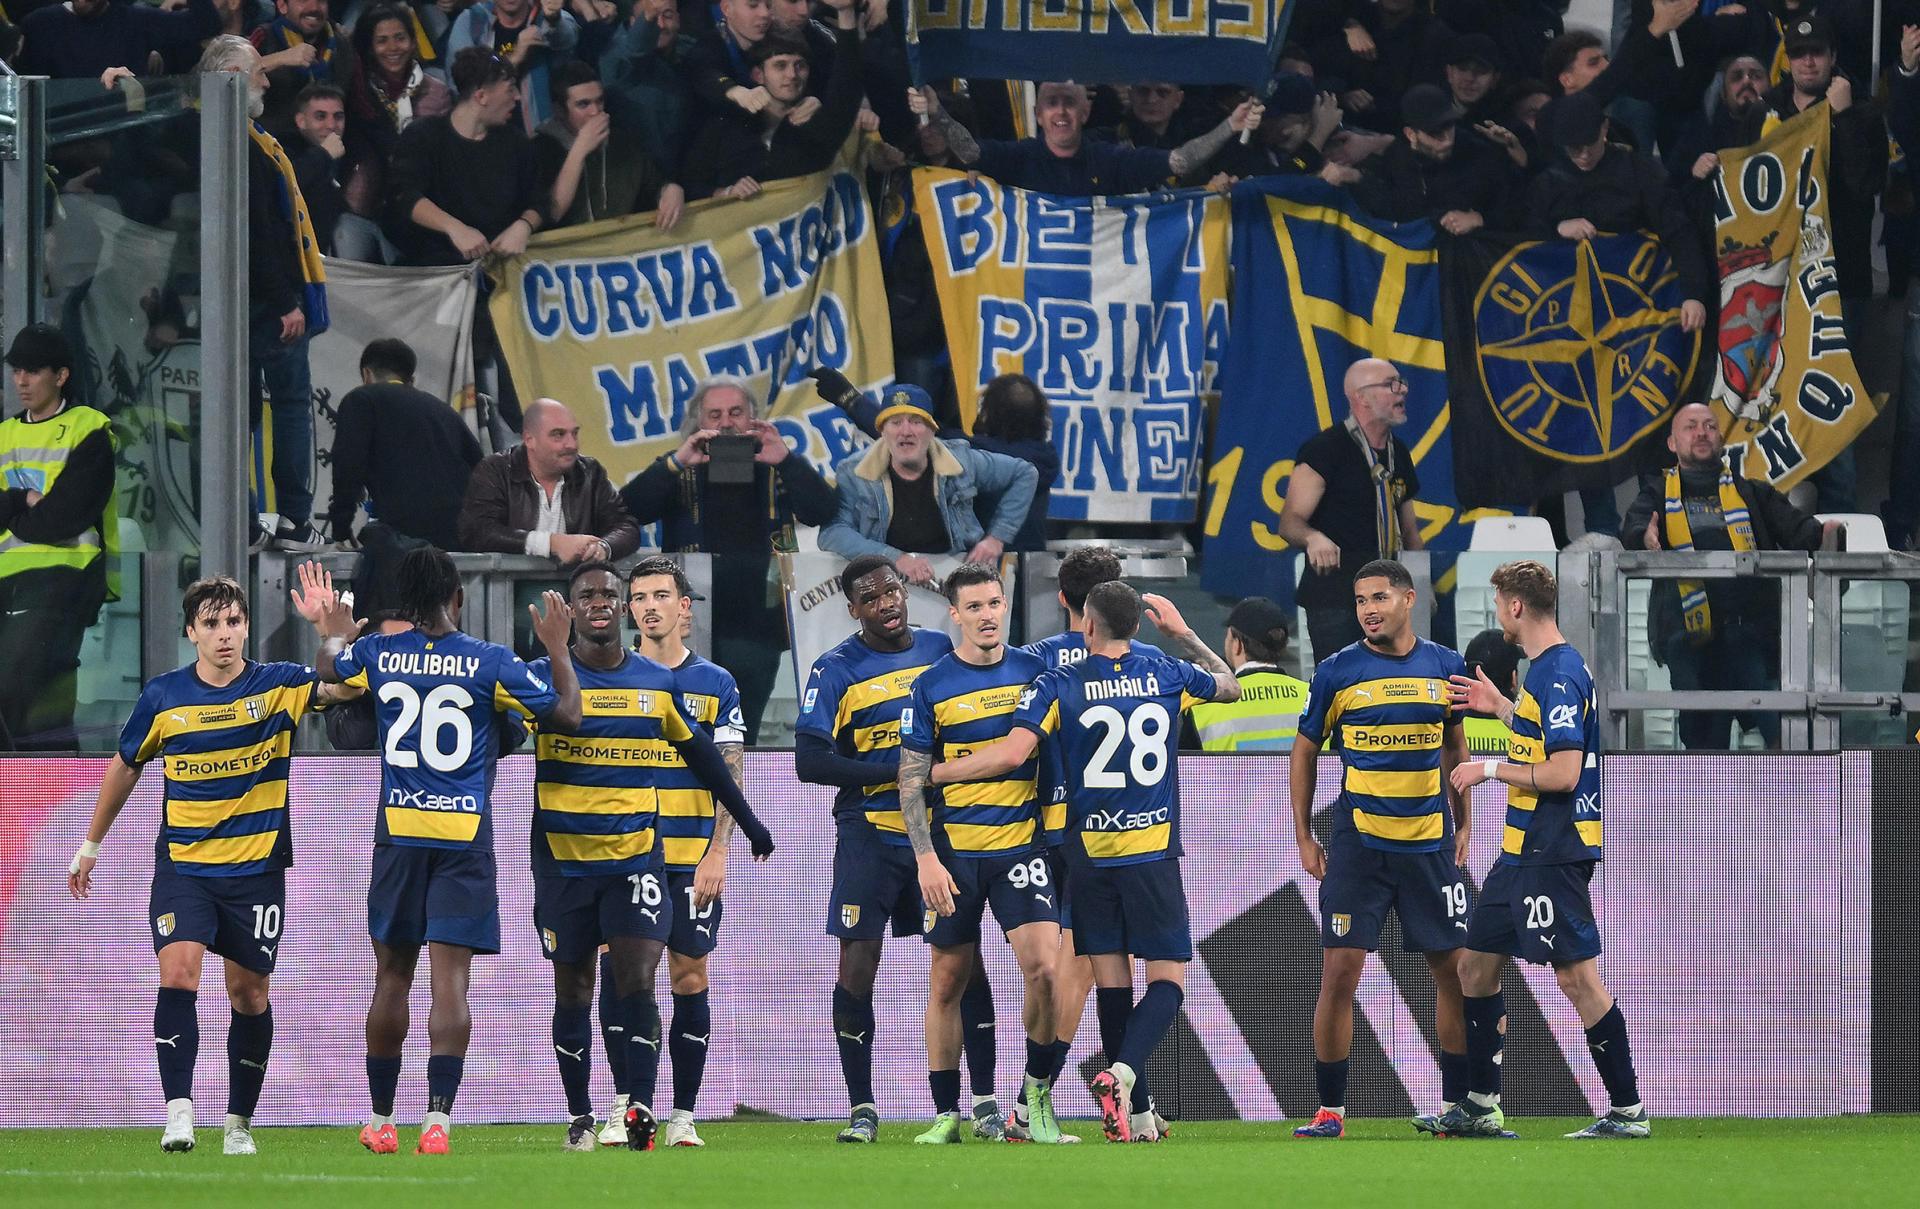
{"x": 1350, "y": 501}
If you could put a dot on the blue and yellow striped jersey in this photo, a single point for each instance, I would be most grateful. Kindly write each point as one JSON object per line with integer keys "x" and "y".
{"x": 225, "y": 753}
{"x": 596, "y": 791}
{"x": 853, "y": 699}
{"x": 1387, "y": 715}
{"x": 1117, "y": 724}
{"x": 1555, "y": 713}
{"x": 710, "y": 700}
{"x": 960, "y": 707}
{"x": 435, "y": 698}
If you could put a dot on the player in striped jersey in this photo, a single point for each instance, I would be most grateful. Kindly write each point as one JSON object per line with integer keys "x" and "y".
{"x": 223, "y": 727}
{"x": 440, "y": 694}
{"x": 1115, "y": 715}
{"x": 1383, "y": 702}
{"x": 990, "y": 840}
{"x": 599, "y": 874}
{"x": 694, "y": 833}
{"x": 1535, "y": 904}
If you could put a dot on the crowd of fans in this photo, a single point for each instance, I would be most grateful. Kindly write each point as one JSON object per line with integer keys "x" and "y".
{"x": 449, "y": 131}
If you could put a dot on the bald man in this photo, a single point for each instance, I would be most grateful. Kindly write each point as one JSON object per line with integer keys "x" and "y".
{"x": 545, "y": 498}
{"x": 1350, "y": 501}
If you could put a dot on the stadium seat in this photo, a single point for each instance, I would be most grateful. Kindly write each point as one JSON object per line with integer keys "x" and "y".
{"x": 1525, "y": 533}
{"x": 1866, "y": 533}
{"x": 1873, "y": 636}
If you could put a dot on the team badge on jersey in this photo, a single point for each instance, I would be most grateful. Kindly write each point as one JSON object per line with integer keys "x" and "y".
{"x": 253, "y": 708}
{"x": 548, "y": 939}
{"x": 1342, "y": 924}
{"x": 849, "y": 915}
{"x": 164, "y": 924}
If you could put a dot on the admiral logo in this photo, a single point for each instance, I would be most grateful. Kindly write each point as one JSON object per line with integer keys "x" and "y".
{"x": 217, "y": 715}
{"x": 1401, "y": 692}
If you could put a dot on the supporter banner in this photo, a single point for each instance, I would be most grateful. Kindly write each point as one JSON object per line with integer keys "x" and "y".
{"x": 622, "y": 321}
{"x": 430, "y": 308}
{"x": 817, "y": 610}
{"x": 1563, "y": 356}
{"x": 1318, "y": 285}
{"x": 1785, "y": 387}
{"x": 1116, "y": 306}
{"x": 1100, "y": 42}
{"x": 1742, "y": 955}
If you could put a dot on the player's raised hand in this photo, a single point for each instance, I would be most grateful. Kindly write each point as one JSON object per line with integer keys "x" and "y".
{"x": 80, "y": 872}
{"x": 316, "y": 601}
{"x": 1165, "y": 615}
{"x": 1476, "y": 694}
{"x": 555, "y": 625}
{"x": 937, "y": 887}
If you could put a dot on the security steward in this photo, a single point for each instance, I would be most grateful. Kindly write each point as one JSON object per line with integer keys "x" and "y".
{"x": 1490, "y": 652}
{"x": 1267, "y": 714}
{"x": 59, "y": 541}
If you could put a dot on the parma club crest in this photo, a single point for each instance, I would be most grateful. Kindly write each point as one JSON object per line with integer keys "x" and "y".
{"x": 849, "y": 915}
{"x": 1340, "y": 923}
{"x": 164, "y": 924}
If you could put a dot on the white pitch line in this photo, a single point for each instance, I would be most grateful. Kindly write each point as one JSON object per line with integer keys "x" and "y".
{"x": 282, "y": 1176}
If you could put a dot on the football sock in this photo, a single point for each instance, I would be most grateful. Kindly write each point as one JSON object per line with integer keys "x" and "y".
{"x": 1151, "y": 1019}
{"x": 1484, "y": 1014}
{"x": 1453, "y": 1078}
{"x": 1607, "y": 1042}
{"x": 977, "y": 1034}
{"x": 853, "y": 1032}
{"x": 573, "y": 1048}
{"x": 383, "y": 1076}
{"x": 1060, "y": 1051}
{"x": 642, "y": 1017}
{"x": 1112, "y": 1005}
{"x": 1039, "y": 1060}
{"x": 249, "y": 1041}
{"x": 613, "y": 1032}
{"x": 1330, "y": 1080}
{"x": 692, "y": 1026}
{"x": 945, "y": 1085}
{"x": 176, "y": 1040}
{"x": 443, "y": 1083}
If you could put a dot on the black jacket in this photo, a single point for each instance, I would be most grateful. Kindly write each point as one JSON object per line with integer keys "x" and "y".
{"x": 411, "y": 452}
{"x": 734, "y": 143}
{"x": 1625, "y": 191}
{"x": 793, "y": 492}
{"x": 275, "y": 284}
{"x": 1400, "y": 184}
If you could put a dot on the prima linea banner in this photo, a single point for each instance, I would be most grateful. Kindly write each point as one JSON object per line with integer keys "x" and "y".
{"x": 623, "y": 322}
{"x": 1099, "y": 41}
{"x": 1785, "y": 387}
{"x": 1115, "y": 306}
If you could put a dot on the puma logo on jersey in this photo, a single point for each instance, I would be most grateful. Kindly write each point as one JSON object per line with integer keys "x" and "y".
{"x": 652, "y": 1043}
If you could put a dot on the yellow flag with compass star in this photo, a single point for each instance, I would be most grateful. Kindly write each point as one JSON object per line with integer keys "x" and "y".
{"x": 1785, "y": 387}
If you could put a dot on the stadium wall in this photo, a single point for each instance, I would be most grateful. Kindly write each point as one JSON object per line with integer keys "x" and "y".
{"x": 1737, "y": 906}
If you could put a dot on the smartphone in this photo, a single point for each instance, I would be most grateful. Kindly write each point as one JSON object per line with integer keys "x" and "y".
{"x": 730, "y": 458}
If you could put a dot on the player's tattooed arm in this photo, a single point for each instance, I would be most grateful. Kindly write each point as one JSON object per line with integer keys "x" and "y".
{"x": 1185, "y": 643}
{"x": 914, "y": 768}
{"x": 734, "y": 755}
{"x": 326, "y": 693}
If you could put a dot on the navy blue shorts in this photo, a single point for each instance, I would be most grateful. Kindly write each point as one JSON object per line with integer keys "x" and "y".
{"x": 443, "y": 895}
{"x": 576, "y": 915}
{"x": 873, "y": 882}
{"x": 1062, "y": 882}
{"x": 1424, "y": 889}
{"x": 1139, "y": 910}
{"x": 1020, "y": 889}
{"x": 695, "y": 929}
{"x": 1538, "y": 913}
{"x": 237, "y": 917}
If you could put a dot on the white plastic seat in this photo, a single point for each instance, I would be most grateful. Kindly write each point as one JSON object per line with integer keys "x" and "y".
{"x": 1527, "y": 533}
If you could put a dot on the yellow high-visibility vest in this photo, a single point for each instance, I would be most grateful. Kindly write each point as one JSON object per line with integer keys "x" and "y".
{"x": 1486, "y": 738}
{"x": 1266, "y": 717}
{"x": 33, "y": 456}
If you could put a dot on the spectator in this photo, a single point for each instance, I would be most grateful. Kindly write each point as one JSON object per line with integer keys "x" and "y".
{"x": 408, "y": 452}
{"x": 1014, "y": 419}
{"x": 463, "y": 185}
{"x": 299, "y": 47}
{"x": 546, "y": 498}
{"x": 1432, "y": 172}
{"x": 883, "y": 61}
{"x": 1715, "y": 634}
{"x": 286, "y": 303}
{"x": 1524, "y": 102}
{"x": 1491, "y": 655}
{"x": 743, "y": 524}
{"x": 1733, "y": 120}
{"x": 912, "y": 494}
{"x": 534, "y": 35}
{"x": 1520, "y": 29}
{"x": 1473, "y": 78}
{"x": 737, "y": 150}
{"x": 59, "y": 541}
{"x": 643, "y": 71}
{"x": 320, "y": 157}
{"x": 1350, "y": 501}
{"x": 1577, "y": 61}
{"x": 1267, "y": 715}
{"x": 718, "y": 70}
{"x": 1062, "y": 160}
{"x": 590, "y": 165}
{"x": 392, "y": 88}
{"x": 1384, "y": 49}
{"x": 1856, "y": 172}
{"x": 85, "y": 39}
{"x": 1292, "y": 135}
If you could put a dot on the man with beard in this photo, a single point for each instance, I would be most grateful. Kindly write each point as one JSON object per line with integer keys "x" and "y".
{"x": 1293, "y": 135}
{"x": 1350, "y": 501}
{"x": 1431, "y": 171}
{"x": 1739, "y": 107}
{"x": 300, "y": 47}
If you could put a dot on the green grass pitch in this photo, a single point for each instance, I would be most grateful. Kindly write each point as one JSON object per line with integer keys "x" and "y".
{"x": 1694, "y": 1163}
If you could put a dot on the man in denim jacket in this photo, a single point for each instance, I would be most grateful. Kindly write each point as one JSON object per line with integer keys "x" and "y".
{"x": 913, "y": 494}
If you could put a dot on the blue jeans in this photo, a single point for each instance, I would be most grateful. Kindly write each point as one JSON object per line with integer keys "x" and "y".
{"x": 279, "y": 374}
{"x": 1734, "y": 658}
